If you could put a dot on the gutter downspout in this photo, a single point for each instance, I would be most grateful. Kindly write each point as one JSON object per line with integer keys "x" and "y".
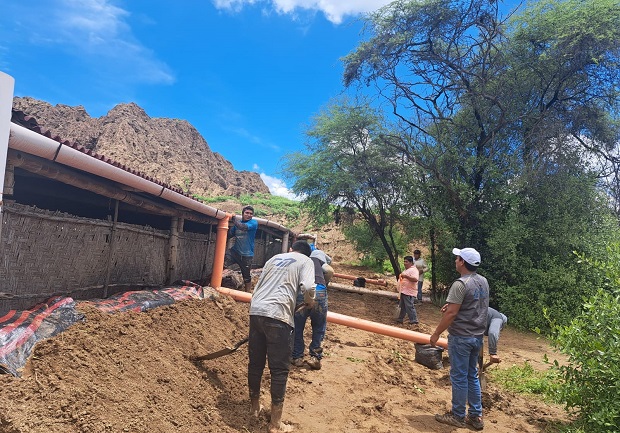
{"x": 353, "y": 322}
{"x": 220, "y": 250}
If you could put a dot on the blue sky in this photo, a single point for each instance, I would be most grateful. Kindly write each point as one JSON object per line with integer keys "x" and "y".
{"x": 248, "y": 74}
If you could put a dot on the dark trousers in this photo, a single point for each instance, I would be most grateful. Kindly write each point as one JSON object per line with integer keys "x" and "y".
{"x": 244, "y": 262}
{"x": 407, "y": 307}
{"x": 270, "y": 340}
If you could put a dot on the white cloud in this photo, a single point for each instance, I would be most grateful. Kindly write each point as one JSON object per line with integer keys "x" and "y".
{"x": 278, "y": 187}
{"x": 334, "y": 10}
{"x": 95, "y": 31}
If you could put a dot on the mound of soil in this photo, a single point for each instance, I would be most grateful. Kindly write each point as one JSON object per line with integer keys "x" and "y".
{"x": 131, "y": 372}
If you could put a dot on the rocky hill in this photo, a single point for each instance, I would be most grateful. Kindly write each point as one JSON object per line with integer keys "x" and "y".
{"x": 170, "y": 150}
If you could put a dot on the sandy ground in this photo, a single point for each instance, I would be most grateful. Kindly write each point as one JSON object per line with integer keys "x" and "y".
{"x": 131, "y": 372}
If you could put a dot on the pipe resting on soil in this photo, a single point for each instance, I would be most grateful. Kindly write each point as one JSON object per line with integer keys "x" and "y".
{"x": 353, "y": 322}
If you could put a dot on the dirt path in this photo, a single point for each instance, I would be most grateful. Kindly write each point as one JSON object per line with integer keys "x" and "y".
{"x": 130, "y": 372}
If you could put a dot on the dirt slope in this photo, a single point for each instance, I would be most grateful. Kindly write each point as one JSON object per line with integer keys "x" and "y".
{"x": 130, "y": 372}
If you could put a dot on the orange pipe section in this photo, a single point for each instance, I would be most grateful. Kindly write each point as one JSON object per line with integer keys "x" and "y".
{"x": 380, "y": 328}
{"x": 354, "y": 322}
{"x": 237, "y": 295}
{"x": 221, "y": 238}
{"x": 368, "y": 280}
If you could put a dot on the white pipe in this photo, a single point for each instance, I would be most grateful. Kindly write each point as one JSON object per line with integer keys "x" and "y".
{"x": 6, "y": 105}
{"x": 34, "y": 143}
{"x": 362, "y": 290}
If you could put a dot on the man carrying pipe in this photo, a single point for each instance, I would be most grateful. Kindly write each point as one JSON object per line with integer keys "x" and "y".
{"x": 242, "y": 252}
{"x": 272, "y": 307}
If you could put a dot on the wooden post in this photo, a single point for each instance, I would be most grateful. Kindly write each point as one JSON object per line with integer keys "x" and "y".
{"x": 173, "y": 247}
{"x": 285, "y": 242}
{"x": 205, "y": 262}
{"x": 111, "y": 251}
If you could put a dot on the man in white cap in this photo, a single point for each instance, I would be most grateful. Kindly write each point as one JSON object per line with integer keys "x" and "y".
{"x": 465, "y": 318}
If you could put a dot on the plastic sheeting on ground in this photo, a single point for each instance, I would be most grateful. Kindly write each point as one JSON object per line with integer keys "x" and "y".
{"x": 21, "y": 330}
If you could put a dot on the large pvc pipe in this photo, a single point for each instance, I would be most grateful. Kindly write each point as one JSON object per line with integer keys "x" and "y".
{"x": 36, "y": 144}
{"x": 380, "y": 328}
{"x": 6, "y": 103}
{"x": 354, "y": 322}
{"x": 362, "y": 290}
{"x": 220, "y": 251}
{"x": 368, "y": 280}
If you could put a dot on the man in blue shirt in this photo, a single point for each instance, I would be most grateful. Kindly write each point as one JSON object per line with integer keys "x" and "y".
{"x": 242, "y": 252}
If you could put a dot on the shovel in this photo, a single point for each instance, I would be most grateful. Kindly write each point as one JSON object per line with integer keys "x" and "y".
{"x": 229, "y": 350}
{"x": 222, "y": 352}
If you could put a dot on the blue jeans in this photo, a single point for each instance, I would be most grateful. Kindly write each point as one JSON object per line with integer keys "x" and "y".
{"x": 318, "y": 320}
{"x": 463, "y": 352}
{"x": 420, "y": 284}
{"x": 270, "y": 339}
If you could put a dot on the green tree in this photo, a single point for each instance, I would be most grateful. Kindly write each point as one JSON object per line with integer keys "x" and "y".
{"x": 349, "y": 164}
{"x": 490, "y": 109}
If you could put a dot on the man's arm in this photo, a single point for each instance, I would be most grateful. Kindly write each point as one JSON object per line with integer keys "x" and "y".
{"x": 409, "y": 277}
{"x": 238, "y": 224}
{"x": 307, "y": 284}
{"x": 449, "y": 313}
{"x": 411, "y": 274}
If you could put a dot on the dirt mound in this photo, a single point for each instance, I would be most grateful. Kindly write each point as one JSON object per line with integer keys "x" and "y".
{"x": 131, "y": 372}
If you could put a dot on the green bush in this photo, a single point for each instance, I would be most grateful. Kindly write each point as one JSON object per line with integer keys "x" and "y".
{"x": 591, "y": 377}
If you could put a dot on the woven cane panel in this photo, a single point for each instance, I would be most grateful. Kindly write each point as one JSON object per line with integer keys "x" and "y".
{"x": 46, "y": 252}
{"x": 259, "y": 253}
{"x": 139, "y": 256}
{"x": 193, "y": 263}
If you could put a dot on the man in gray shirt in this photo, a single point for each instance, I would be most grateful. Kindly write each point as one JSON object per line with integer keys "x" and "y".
{"x": 465, "y": 318}
{"x": 271, "y": 323}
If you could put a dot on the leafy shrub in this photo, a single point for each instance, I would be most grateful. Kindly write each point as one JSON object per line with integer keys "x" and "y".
{"x": 591, "y": 377}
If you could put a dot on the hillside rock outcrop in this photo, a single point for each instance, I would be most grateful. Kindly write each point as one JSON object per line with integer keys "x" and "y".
{"x": 170, "y": 150}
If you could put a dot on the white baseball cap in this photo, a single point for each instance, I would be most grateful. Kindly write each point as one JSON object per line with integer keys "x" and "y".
{"x": 470, "y": 255}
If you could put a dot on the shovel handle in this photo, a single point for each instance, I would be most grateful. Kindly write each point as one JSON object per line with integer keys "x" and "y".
{"x": 241, "y": 343}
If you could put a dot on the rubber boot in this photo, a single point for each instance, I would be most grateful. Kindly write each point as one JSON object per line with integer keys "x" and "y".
{"x": 255, "y": 407}
{"x": 275, "y": 425}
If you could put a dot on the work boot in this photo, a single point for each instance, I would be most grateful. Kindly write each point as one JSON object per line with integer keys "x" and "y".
{"x": 298, "y": 362}
{"x": 450, "y": 419}
{"x": 255, "y": 407}
{"x": 275, "y": 424}
{"x": 248, "y": 286}
{"x": 475, "y": 422}
{"x": 314, "y": 363}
